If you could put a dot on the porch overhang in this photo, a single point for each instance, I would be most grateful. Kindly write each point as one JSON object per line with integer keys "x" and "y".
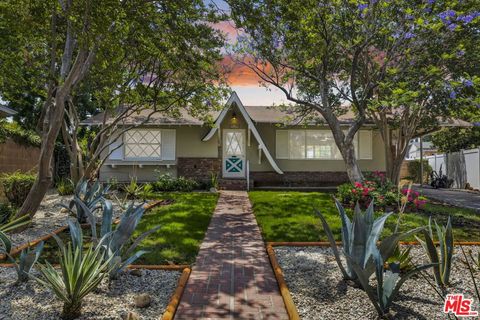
{"x": 251, "y": 127}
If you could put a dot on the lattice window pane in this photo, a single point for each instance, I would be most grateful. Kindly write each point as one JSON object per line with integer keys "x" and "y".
{"x": 143, "y": 144}
{"x": 234, "y": 143}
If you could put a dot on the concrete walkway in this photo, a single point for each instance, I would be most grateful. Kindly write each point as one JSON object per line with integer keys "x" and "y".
{"x": 232, "y": 277}
{"x": 457, "y": 198}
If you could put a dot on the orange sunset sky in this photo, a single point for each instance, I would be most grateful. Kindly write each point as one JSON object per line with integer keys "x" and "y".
{"x": 240, "y": 78}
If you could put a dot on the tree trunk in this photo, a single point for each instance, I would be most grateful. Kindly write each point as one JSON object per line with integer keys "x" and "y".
{"x": 353, "y": 170}
{"x": 45, "y": 177}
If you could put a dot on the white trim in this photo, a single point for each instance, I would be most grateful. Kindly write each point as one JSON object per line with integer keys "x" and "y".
{"x": 234, "y": 98}
{"x": 243, "y": 157}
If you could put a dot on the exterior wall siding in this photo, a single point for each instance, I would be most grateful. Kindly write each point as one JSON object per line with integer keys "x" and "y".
{"x": 197, "y": 159}
{"x": 14, "y": 156}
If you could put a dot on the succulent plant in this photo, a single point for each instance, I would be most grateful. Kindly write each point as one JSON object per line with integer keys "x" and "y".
{"x": 28, "y": 258}
{"x": 5, "y": 241}
{"x": 388, "y": 282}
{"x": 119, "y": 247}
{"x": 80, "y": 271}
{"x": 91, "y": 195}
{"x": 360, "y": 237}
{"x": 442, "y": 260}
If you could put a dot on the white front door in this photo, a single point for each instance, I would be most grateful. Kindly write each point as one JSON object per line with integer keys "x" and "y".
{"x": 233, "y": 153}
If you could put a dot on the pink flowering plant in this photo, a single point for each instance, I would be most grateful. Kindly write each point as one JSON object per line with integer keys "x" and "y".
{"x": 413, "y": 198}
{"x": 381, "y": 190}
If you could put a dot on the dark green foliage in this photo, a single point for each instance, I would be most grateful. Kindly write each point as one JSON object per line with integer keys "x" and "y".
{"x": 167, "y": 183}
{"x": 400, "y": 259}
{"x": 65, "y": 187}
{"x": 18, "y": 134}
{"x": 6, "y": 212}
{"x": 16, "y": 186}
{"x": 414, "y": 170}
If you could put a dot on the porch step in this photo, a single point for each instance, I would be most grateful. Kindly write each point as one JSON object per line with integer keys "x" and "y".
{"x": 232, "y": 184}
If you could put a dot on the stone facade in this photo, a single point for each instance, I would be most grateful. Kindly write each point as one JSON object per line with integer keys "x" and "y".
{"x": 198, "y": 168}
{"x": 298, "y": 179}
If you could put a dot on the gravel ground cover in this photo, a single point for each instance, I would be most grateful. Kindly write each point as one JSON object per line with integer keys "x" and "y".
{"x": 50, "y": 217}
{"x": 31, "y": 301}
{"x": 319, "y": 292}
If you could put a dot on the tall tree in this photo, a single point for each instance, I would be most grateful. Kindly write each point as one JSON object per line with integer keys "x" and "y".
{"x": 437, "y": 78}
{"x": 144, "y": 53}
{"x": 327, "y": 57}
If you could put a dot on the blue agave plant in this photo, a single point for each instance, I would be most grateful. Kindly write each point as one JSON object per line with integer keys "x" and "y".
{"x": 88, "y": 195}
{"x": 120, "y": 250}
{"x": 360, "y": 237}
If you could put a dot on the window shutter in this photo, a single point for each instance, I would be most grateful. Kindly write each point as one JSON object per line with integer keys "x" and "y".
{"x": 168, "y": 144}
{"x": 115, "y": 149}
{"x": 281, "y": 144}
{"x": 366, "y": 144}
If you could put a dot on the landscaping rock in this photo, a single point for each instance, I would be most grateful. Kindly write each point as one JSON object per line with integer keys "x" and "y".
{"x": 131, "y": 316}
{"x": 32, "y": 301}
{"x": 136, "y": 272}
{"x": 143, "y": 300}
{"x": 319, "y": 291}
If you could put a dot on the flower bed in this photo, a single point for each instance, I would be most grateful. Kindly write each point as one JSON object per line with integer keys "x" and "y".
{"x": 31, "y": 301}
{"x": 319, "y": 291}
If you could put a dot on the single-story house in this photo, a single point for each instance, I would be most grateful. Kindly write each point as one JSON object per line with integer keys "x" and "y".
{"x": 247, "y": 145}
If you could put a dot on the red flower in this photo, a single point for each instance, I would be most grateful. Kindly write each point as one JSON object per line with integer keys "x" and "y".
{"x": 358, "y": 185}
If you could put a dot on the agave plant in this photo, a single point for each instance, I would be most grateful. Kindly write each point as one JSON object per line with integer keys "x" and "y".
{"x": 470, "y": 268}
{"x": 80, "y": 271}
{"x": 91, "y": 196}
{"x": 5, "y": 241}
{"x": 360, "y": 237}
{"x": 401, "y": 258}
{"x": 388, "y": 282}
{"x": 119, "y": 248}
{"x": 442, "y": 260}
{"x": 28, "y": 258}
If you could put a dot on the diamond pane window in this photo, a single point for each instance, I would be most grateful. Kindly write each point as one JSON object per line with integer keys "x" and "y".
{"x": 234, "y": 143}
{"x": 143, "y": 144}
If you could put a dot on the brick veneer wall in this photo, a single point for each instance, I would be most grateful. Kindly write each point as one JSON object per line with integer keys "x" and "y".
{"x": 14, "y": 156}
{"x": 298, "y": 179}
{"x": 198, "y": 168}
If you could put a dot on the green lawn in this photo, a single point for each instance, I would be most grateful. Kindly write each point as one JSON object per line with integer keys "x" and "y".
{"x": 290, "y": 216}
{"x": 184, "y": 224}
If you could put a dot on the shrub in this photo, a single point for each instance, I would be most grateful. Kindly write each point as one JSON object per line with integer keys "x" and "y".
{"x": 6, "y": 212}
{"x": 16, "y": 186}
{"x": 167, "y": 183}
{"x": 414, "y": 170}
{"x": 65, "y": 187}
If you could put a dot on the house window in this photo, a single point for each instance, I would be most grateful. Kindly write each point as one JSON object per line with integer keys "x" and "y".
{"x": 143, "y": 144}
{"x": 318, "y": 144}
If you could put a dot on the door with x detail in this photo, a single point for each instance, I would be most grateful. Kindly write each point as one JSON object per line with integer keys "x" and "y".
{"x": 234, "y": 153}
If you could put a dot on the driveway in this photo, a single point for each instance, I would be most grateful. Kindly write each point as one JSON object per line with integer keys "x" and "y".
{"x": 459, "y": 198}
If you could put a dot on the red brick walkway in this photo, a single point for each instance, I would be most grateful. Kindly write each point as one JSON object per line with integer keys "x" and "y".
{"x": 232, "y": 277}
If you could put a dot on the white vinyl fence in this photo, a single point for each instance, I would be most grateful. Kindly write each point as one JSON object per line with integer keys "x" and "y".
{"x": 463, "y": 167}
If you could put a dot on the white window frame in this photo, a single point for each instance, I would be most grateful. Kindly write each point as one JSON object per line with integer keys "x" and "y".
{"x": 125, "y": 143}
{"x": 356, "y": 143}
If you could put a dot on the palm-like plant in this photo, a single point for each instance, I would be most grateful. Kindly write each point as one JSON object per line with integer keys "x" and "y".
{"x": 80, "y": 272}
{"x": 442, "y": 260}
